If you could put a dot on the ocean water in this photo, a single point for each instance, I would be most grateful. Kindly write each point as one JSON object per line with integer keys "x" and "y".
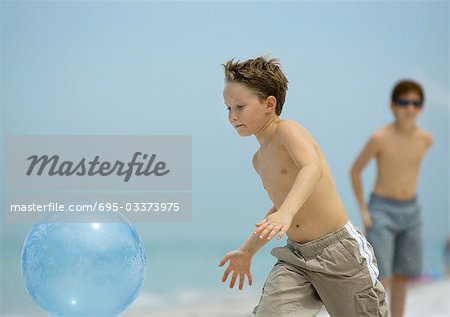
{"x": 180, "y": 273}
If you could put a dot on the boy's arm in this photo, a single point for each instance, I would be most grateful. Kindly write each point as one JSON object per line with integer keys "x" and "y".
{"x": 303, "y": 153}
{"x": 253, "y": 244}
{"x": 370, "y": 150}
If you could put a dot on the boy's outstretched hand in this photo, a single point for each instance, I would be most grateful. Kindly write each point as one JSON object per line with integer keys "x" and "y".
{"x": 240, "y": 263}
{"x": 274, "y": 224}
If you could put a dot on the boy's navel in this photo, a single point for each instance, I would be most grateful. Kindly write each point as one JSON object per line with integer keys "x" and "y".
{"x": 284, "y": 171}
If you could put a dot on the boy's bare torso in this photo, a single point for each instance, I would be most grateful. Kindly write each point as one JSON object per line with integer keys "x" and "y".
{"x": 323, "y": 211}
{"x": 398, "y": 161}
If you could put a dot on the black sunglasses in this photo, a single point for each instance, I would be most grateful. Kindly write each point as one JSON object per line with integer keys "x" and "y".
{"x": 405, "y": 103}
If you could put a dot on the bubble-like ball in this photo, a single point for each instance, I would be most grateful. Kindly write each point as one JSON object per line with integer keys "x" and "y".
{"x": 83, "y": 269}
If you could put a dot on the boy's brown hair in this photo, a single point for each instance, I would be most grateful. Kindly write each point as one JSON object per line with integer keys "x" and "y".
{"x": 405, "y": 86}
{"x": 264, "y": 77}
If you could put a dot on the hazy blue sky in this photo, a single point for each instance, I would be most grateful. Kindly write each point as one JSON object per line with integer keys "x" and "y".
{"x": 154, "y": 68}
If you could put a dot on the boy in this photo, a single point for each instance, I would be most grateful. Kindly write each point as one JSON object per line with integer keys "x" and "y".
{"x": 326, "y": 261}
{"x": 392, "y": 219}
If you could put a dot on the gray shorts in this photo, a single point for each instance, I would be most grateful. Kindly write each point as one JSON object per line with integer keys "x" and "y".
{"x": 396, "y": 236}
{"x": 338, "y": 270}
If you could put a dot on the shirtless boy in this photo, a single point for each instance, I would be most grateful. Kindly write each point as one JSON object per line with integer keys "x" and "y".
{"x": 392, "y": 218}
{"x": 326, "y": 261}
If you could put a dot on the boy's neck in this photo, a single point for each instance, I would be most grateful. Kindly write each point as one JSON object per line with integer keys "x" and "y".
{"x": 404, "y": 127}
{"x": 265, "y": 134}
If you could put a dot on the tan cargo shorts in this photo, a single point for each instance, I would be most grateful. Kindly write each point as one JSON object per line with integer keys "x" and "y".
{"x": 338, "y": 270}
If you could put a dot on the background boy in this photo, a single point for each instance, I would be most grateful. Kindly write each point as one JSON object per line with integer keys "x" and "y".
{"x": 326, "y": 261}
{"x": 392, "y": 219}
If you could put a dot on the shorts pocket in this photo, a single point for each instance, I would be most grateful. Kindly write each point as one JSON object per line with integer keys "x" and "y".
{"x": 370, "y": 304}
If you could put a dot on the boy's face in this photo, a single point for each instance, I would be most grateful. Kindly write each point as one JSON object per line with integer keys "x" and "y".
{"x": 407, "y": 107}
{"x": 247, "y": 113}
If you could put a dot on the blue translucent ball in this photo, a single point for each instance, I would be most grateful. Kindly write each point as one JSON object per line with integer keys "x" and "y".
{"x": 83, "y": 269}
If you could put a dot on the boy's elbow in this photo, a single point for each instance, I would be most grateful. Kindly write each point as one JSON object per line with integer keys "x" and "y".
{"x": 318, "y": 170}
{"x": 354, "y": 172}
{"x": 314, "y": 170}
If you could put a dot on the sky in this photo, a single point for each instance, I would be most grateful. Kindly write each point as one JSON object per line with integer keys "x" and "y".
{"x": 153, "y": 68}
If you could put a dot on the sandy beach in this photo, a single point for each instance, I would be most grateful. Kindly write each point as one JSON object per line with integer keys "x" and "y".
{"x": 425, "y": 299}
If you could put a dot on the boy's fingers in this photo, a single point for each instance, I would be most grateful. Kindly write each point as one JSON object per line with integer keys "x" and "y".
{"x": 233, "y": 279}
{"x": 225, "y": 274}
{"x": 241, "y": 281}
{"x": 280, "y": 235}
{"x": 266, "y": 232}
{"x": 271, "y": 234}
{"x": 224, "y": 260}
{"x": 274, "y": 232}
{"x": 260, "y": 229}
{"x": 250, "y": 280}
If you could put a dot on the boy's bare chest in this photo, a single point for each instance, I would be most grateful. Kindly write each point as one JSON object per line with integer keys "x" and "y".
{"x": 403, "y": 150}
{"x": 275, "y": 167}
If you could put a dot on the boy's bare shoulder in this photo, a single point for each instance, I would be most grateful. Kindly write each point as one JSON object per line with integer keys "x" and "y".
{"x": 289, "y": 124}
{"x": 287, "y": 128}
{"x": 426, "y": 136}
{"x": 385, "y": 134}
{"x": 379, "y": 136}
{"x": 385, "y": 131}
{"x": 293, "y": 135}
